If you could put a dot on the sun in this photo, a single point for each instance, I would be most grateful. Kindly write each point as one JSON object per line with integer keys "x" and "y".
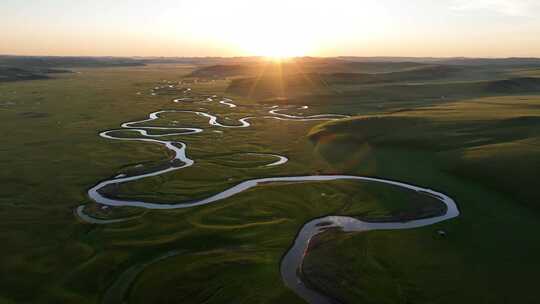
{"x": 279, "y": 35}
{"x": 284, "y": 28}
{"x": 276, "y": 45}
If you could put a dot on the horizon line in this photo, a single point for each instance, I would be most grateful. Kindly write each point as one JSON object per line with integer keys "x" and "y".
{"x": 259, "y": 56}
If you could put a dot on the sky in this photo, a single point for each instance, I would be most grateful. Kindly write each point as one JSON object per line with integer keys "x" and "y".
{"x": 440, "y": 28}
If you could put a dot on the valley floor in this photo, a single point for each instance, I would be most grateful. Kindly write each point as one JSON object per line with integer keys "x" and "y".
{"x": 482, "y": 151}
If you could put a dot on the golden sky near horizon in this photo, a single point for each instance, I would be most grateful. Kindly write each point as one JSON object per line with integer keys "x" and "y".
{"x": 474, "y": 28}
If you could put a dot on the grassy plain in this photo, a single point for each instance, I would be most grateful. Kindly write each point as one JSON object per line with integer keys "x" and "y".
{"x": 482, "y": 151}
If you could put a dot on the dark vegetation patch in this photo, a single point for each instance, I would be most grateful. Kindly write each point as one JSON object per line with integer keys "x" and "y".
{"x": 514, "y": 86}
{"x": 14, "y": 74}
{"x": 34, "y": 115}
{"x": 396, "y": 204}
{"x": 369, "y": 283}
{"x": 8, "y": 73}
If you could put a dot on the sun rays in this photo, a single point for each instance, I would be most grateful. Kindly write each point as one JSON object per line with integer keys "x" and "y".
{"x": 282, "y": 77}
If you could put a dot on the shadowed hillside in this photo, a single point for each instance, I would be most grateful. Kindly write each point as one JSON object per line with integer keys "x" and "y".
{"x": 335, "y": 77}
{"x": 281, "y": 86}
{"x": 421, "y": 73}
{"x": 224, "y": 71}
{"x": 494, "y": 140}
{"x": 15, "y": 74}
{"x": 296, "y": 87}
{"x": 304, "y": 65}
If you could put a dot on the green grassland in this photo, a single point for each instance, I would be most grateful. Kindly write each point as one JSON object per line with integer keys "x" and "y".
{"x": 491, "y": 140}
{"x": 486, "y": 143}
{"x": 471, "y": 133}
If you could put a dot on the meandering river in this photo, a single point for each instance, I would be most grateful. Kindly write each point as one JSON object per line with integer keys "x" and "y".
{"x": 292, "y": 261}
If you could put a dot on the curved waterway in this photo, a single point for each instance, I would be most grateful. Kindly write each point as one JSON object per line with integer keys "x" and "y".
{"x": 275, "y": 110}
{"x": 292, "y": 261}
{"x": 291, "y": 264}
{"x": 281, "y": 159}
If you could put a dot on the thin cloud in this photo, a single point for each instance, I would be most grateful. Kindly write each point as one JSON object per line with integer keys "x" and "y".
{"x": 502, "y": 7}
